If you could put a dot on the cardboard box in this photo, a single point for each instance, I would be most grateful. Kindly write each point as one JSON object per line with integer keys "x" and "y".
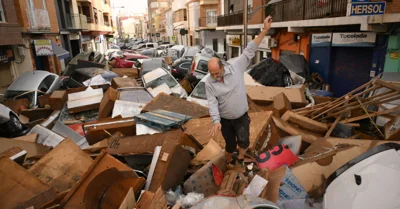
{"x": 281, "y": 103}
{"x": 324, "y": 157}
{"x": 119, "y": 82}
{"x": 17, "y": 105}
{"x": 107, "y": 103}
{"x": 33, "y": 149}
{"x": 19, "y": 186}
{"x": 63, "y": 166}
{"x": 44, "y": 100}
{"x": 58, "y": 99}
{"x": 86, "y": 100}
{"x": 266, "y": 94}
{"x": 95, "y": 130}
{"x": 130, "y": 72}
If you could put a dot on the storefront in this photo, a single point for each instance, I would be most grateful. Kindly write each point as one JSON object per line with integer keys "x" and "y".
{"x": 6, "y": 74}
{"x": 86, "y": 41}
{"x": 44, "y": 51}
{"x": 234, "y": 48}
{"x": 291, "y": 43}
{"x": 351, "y": 61}
{"x": 345, "y": 61}
{"x": 264, "y": 50}
{"x": 392, "y": 61}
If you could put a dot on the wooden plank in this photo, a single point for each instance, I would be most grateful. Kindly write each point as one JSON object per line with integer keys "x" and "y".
{"x": 27, "y": 138}
{"x": 129, "y": 201}
{"x": 146, "y": 143}
{"x": 114, "y": 195}
{"x": 130, "y": 72}
{"x": 33, "y": 149}
{"x": 36, "y": 114}
{"x": 333, "y": 126}
{"x": 387, "y": 84}
{"x": 95, "y": 129}
{"x": 159, "y": 201}
{"x": 304, "y": 122}
{"x": 286, "y": 127}
{"x": 173, "y": 114}
{"x": 395, "y": 109}
{"x": 145, "y": 200}
{"x": 176, "y": 105}
{"x": 18, "y": 186}
{"x": 170, "y": 172}
{"x": 75, "y": 198}
{"x": 63, "y": 166}
{"x": 200, "y": 129}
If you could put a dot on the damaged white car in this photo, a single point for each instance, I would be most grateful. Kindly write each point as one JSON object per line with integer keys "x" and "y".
{"x": 160, "y": 80}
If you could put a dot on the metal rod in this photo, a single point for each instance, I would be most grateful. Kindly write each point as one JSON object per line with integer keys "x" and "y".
{"x": 246, "y": 5}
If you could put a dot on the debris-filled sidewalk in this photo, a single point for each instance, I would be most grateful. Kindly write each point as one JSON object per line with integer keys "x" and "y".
{"x": 114, "y": 145}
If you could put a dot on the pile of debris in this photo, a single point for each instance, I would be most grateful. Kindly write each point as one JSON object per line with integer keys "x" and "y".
{"x": 118, "y": 147}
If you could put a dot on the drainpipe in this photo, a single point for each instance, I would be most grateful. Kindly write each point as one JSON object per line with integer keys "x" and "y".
{"x": 245, "y": 10}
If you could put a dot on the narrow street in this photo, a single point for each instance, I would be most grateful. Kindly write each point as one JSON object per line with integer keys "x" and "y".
{"x": 199, "y": 104}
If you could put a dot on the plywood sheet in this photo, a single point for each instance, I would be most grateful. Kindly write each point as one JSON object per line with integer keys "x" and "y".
{"x": 119, "y": 82}
{"x": 177, "y": 105}
{"x": 292, "y": 130}
{"x": 63, "y": 166}
{"x": 200, "y": 129}
{"x": 18, "y": 185}
{"x": 27, "y": 138}
{"x": 74, "y": 199}
{"x": 130, "y": 72}
{"x": 305, "y": 123}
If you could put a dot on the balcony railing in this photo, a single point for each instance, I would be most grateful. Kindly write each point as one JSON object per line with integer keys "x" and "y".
{"x": 235, "y": 18}
{"x": 84, "y": 22}
{"x": 38, "y": 20}
{"x": 292, "y": 10}
{"x": 210, "y": 21}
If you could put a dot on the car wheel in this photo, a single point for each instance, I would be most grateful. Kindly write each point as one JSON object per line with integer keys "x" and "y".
{"x": 287, "y": 80}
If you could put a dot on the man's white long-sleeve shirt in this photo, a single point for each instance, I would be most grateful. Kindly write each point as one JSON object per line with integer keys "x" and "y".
{"x": 228, "y": 99}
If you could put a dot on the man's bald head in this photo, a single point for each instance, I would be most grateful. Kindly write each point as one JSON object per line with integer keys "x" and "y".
{"x": 216, "y": 68}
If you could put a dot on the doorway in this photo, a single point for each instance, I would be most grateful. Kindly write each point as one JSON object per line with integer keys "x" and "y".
{"x": 75, "y": 49}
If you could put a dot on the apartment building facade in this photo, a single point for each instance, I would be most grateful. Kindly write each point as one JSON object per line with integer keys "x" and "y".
{"x": 342, "y": 43}
{"x": 11, "y": 38}
{"x": 41, "y": 48}
{"x": 99, "y": 23}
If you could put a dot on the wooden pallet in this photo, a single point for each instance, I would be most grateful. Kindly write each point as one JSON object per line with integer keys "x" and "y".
{"x": 162, "y": 120}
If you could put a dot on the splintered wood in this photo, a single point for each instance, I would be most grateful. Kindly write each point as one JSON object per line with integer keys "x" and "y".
{"x": 376, "y": 92}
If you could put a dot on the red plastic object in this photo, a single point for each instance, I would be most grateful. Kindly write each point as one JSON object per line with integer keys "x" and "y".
{"x": 276, "y": 157}
{"x": 218, "y": 175}
{"x": 77, "y": 128}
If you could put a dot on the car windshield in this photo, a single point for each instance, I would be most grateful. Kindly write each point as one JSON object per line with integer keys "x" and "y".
{"x": 200, "y": 91}
{"x": 167, "y": 79}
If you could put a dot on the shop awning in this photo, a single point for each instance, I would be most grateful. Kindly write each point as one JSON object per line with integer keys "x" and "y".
{"x": 59, "y": 51}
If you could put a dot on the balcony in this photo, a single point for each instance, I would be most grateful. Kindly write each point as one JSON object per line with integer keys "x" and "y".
{"x": 38, "y": 20}
{"x": 235, "y": 18}
{"x": 76, "y": 22}
{"x": 293, "y": 10}
{"x": 206, "y": 2}
{"x": 208, "y": 22}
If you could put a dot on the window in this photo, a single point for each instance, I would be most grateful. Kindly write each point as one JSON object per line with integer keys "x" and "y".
{"x": 211, "y": 16}
{"x": 224, "y": 44}
{"x": 105, "y": 1}
{"x": 96, "y": 20}
{"x": 202, "y": 66}
{"x": 44, "y": 4}
{"x": 2, "y": 16}
{"x": 106, "y": 21}
{"x": 185, "y": 65}
{"x": 150, "y": 45}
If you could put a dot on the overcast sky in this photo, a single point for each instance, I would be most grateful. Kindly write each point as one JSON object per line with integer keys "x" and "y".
{"x": 130, "y": 6}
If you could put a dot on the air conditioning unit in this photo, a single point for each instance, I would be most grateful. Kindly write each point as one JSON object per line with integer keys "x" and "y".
{"x": 272, "y": 43}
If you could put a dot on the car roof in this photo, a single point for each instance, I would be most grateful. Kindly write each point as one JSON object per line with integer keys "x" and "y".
{"x": 154, "y": 74}
{"x": 29, "y": 80}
